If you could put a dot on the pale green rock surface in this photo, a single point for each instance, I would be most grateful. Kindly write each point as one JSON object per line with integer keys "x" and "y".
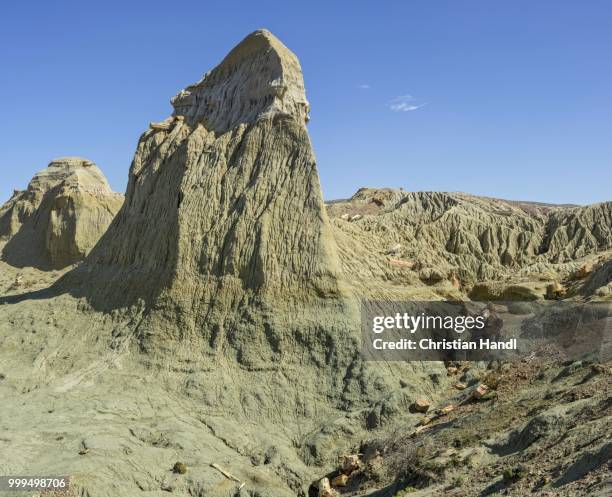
{"x": 217, "y": 319}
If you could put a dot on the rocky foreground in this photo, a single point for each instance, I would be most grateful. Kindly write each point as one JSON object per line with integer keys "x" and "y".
{"x": 205, "y": 341}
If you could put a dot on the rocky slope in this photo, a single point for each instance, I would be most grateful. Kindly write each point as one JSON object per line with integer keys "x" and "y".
{"x": 543, "y": 429}
{"x": 216, "y": 322}
{"x": 430, "y": 243}
{"x": 62, "y": 214}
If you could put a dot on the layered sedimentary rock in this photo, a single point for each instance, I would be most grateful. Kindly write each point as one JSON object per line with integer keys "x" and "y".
{"x": 229, "y": 342}
{"x": 224, "y": 229}
{"x": 224, "y": 256}
{"x": 395, "y": 238}
{"x": 61, "y": 215}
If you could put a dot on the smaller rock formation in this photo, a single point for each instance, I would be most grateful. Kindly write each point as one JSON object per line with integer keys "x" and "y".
{"x": 58, "y": 219}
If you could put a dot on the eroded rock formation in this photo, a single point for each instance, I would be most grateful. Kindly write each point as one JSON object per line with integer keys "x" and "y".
{"x": 229, "y": 339}
{"x": 454, "y": 240}
{"x": 224, "y": 229}
{"x": 224, "y": 260}
{"x": 57, "y": 220}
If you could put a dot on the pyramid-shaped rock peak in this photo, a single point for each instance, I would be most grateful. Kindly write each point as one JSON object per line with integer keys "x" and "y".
{"x": 259, "y": 77}
{"x": 219, "y": 225}
{"x": 61, "y": 215}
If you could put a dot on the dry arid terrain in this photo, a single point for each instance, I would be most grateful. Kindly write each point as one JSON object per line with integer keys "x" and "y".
{"x": 201, "y": 336}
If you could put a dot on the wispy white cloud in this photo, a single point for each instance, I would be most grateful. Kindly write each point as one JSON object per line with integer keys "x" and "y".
{"x": 405, "y": 103}
{"x": 364, "y": 86}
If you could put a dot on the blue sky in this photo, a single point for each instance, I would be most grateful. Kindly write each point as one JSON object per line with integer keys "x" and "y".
{"x": 509, "y": 99}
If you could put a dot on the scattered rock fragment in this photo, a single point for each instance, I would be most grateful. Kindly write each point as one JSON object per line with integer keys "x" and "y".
{"x": 350, "y": 463}
{"x": 555, "y": 291}
{"x": 419, "y": 429}
{"x": 545, "y": 480}
{"x": 179, "y": 468}
{"x": 421, "y": 405}
{"x": 447, "y": 409}
{"x": 599, "y": 369}
{"x": 340, "y": 480}
{"x": 356, "y": 217}
{"x": 166, "y": 486}
{"x": 585, "y": 270}
{"x": 395, "y": 249}
{"x": 167, "y": 124}
{"x": 325, "y": 489}
{"x": 17, "y": 283}
{"x": 425, "y": 420}
{"x": 480, "y": 391}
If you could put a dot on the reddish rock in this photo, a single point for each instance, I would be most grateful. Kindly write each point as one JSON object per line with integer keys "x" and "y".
{"x": 340, "y": 480}
{"x": 480, "y": 391}
{"x": 421, "y": 405}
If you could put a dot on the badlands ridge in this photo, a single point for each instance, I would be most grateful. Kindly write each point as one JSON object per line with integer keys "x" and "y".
{"x": 211, "y": 318}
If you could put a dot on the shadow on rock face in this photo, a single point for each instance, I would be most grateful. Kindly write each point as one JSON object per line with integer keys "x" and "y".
{"x": 586, "y": 463}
